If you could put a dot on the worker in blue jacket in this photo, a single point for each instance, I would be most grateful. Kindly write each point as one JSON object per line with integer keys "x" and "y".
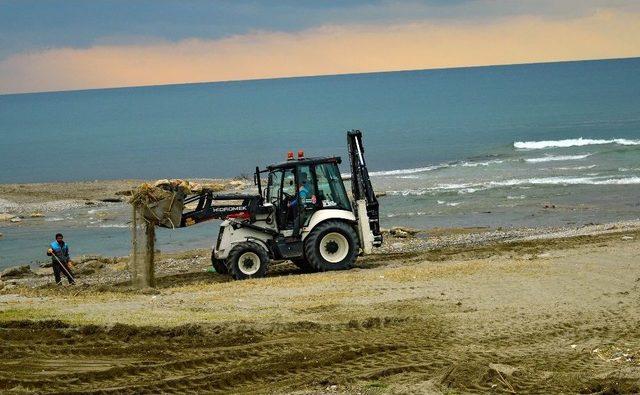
{"x": 303, "y": 191}
{"x": 59, "y": 253}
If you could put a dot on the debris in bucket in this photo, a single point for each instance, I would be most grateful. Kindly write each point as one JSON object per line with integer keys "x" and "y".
{"x": 160, "y": 204}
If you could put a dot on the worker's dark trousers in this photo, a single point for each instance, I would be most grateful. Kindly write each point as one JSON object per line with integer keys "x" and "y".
{"x": 56, "y": 273}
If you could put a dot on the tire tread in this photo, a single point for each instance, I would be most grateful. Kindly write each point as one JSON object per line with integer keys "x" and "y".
{"x": 239, "y": 249}
{"x": 311, "y": 246}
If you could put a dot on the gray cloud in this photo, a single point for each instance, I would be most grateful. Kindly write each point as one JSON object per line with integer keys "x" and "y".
{"x": 28, "y": 25}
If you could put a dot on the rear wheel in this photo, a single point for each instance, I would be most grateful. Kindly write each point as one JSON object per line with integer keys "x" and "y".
{"x": 218, "y": 264}
{"x": 247, "y": 260}
{"x": 332, "y": 245}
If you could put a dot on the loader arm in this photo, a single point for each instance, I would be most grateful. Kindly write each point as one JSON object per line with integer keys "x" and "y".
{"x": 209, "y": 207}
{"x": 361, "y": 187}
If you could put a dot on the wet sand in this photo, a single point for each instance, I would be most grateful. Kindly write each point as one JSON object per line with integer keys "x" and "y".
{"x": 550, "y": 315}
{"x": 46, "y": 192}
{"x": 20, "y": 197}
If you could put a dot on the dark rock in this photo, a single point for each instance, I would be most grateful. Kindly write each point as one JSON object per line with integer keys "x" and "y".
{"x": 89, "y": 267}
{"x": 87, "y": 258}
{"x": 111, "y": 200}
{"x": 16, "y": 272}
{"x": 411, "y": 231}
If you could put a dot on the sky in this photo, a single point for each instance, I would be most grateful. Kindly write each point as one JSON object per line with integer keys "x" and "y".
{"x": 53, "y": 45}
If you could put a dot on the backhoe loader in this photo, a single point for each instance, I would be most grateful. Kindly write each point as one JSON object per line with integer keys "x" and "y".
{"x": 303, "y": 214}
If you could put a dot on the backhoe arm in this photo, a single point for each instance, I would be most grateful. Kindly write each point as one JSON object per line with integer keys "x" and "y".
{"x": 361, "y": 187}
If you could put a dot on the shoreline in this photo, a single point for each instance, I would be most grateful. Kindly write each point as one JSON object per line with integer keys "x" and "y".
{"x": 36, "y": 206}
{"x": 95, "y": 270}
{"x": 21, "y": 197}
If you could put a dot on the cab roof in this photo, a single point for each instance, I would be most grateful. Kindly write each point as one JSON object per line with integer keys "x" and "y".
{"x": 305, "y": 161}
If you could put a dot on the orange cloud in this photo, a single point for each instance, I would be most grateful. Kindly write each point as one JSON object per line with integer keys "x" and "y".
{"x": 326, "y": 50}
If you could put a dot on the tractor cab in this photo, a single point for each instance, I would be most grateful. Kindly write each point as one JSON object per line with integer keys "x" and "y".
{"x": 299, "y": 188}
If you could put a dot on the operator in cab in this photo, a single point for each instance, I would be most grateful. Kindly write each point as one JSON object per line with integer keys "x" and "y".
{"x": 303, "y": 191}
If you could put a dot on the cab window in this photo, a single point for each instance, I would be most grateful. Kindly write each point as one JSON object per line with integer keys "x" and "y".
{"x": 331, "y": 192}
{"x": 274, "y": 184}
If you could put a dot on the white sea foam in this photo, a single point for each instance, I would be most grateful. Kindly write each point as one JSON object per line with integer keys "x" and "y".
{"x": 476, "y": 164}
{"x": 407, "y": 171}
{"x": 552, "y": 158}
{"x": 405, "y": 214}
{"x": 113, "y": 226}
{"x": 579, "y": 142}
{"x": 465, "y": 191}
{"x": 453, "y": 186}
{"x": 575, "y": 167}
{"x": 450, "y": 204}
{"x": 568, "y": 181}
{"x": 523, "y": 182}
{"x": 520, "y": 183}
{"x": 407, "y": 192}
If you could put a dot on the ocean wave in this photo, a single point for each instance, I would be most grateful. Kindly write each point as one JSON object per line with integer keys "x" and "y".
{"x": 579, "y": 142}
{"x": 522, "y": 182}
{"x": 552, "y": 158}
{"x": 453, "y": 186}
{"x": 407, "y": 192}
{"x": 109, "y": 226}
{"x": 408, "y": 171}
{"x": 411, "y": 214}
{"x": 576, "y": 167}
{"x": 567, "y": 181}
{"x": 476, "y": 164}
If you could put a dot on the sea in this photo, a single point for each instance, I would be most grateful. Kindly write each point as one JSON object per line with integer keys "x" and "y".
{"x": 553, "y": 144}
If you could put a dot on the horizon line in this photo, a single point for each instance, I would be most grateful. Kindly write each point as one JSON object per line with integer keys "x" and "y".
{"x": 320, "y": 75}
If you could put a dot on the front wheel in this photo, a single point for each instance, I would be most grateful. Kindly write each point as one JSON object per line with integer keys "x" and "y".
{"x": 247, "y": 260}
{"x": 332, "y": 245}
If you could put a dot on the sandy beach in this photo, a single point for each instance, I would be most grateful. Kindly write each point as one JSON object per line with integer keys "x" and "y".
{"x": 362, "y": 198}
{"x": 442, "y": 311}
